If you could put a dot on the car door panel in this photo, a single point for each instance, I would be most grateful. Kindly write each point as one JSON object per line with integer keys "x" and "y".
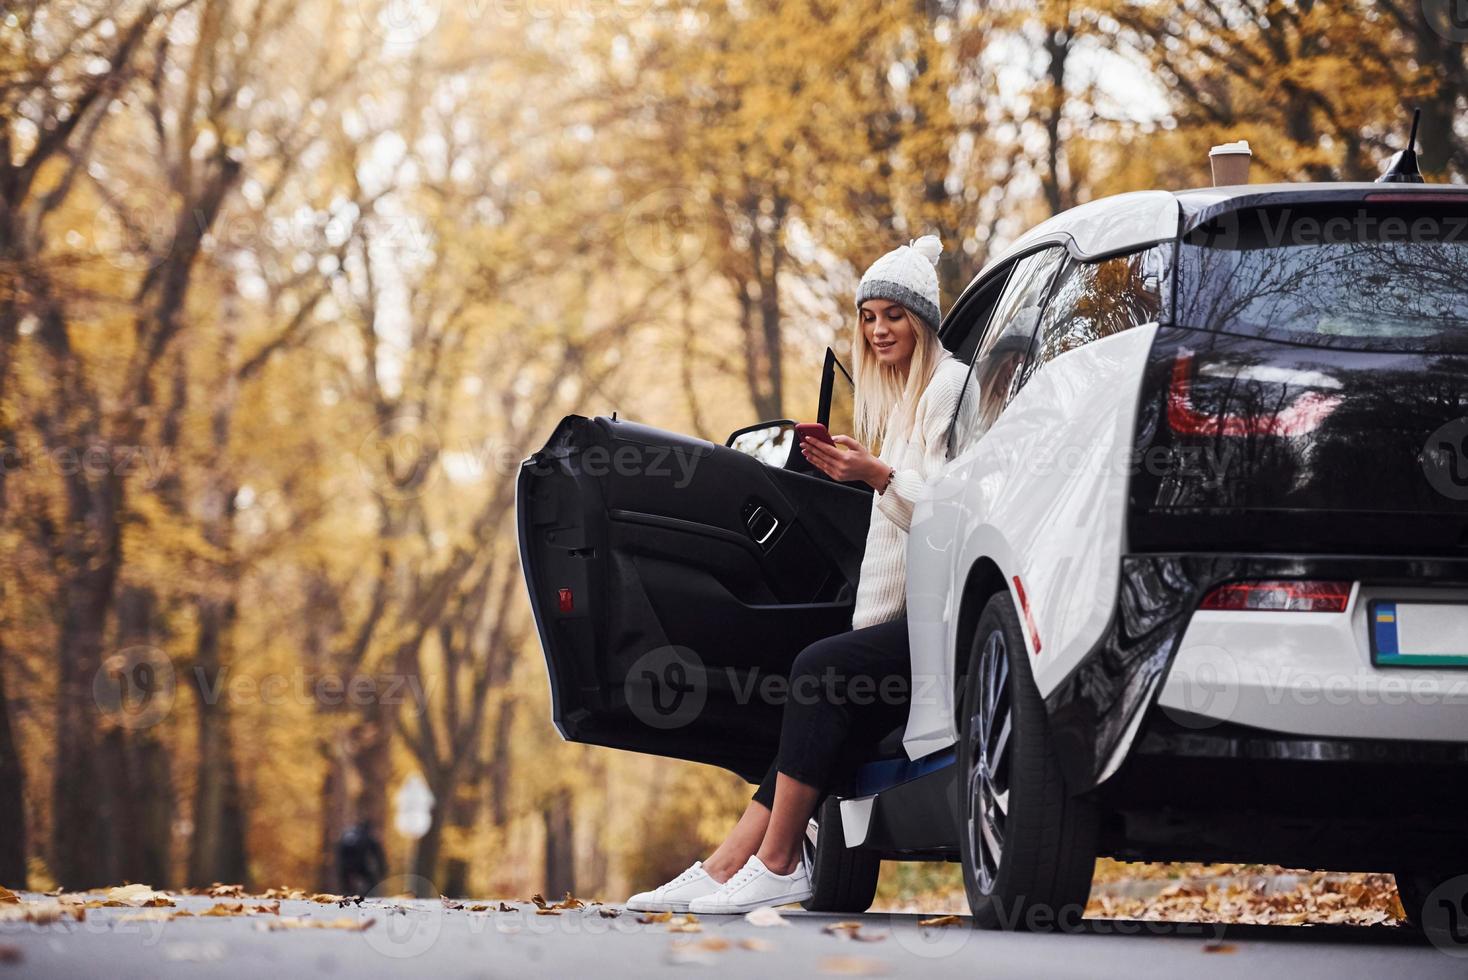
{"x": 672, "y": 578}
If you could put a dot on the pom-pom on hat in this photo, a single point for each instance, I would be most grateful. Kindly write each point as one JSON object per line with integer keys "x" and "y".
{"x": 907, "y": 275}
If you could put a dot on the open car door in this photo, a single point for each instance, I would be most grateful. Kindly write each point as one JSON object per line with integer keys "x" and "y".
{"x": 674, "y": 581}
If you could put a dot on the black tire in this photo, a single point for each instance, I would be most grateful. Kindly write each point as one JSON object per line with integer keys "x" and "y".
{"x": 842, "y": 879}
{"x": 1033, "y": 869}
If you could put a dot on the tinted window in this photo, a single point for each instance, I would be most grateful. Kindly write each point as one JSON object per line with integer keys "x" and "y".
{"x": 1368, "y": 277}
{"x": 963, "y": 337}
{"x": 1093, "y": 300}
{"x": 994, "y": 374}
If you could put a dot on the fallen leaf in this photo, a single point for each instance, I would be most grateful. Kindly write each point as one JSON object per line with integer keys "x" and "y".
{"x": 1214, "y": 946}
{"x": 608, "y": 913}
{"x": 547, "y": 912}
{"x": 450, "y": 904}
{"x": 141, "y": 896}
{"x": 766, "y": 916}
{"x": 648, "y": 918}
{"x": 8, "y": 897}
{"x": 225, "y": 908}
{"x": 852, "y": 966}
{"x": 506, "y": 907}
{"x": 10, "y": 953}
{"x": 569, "y": 902}
{"x": 696, "y": 951}
{"x": 217, "y": 890}
{"x": 756, "y": 945}
{"x": 477, "y": 908}
{"x": 852, "y": 930}
{"x": 941, "y": 921}
{"x": 684, "y": 923}
{"x": 321, "y": 898}
{"x": 293, "y": 922}
{"x": 41, "y": 913}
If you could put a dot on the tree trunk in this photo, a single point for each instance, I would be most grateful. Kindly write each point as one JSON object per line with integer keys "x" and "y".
{"x": 142, "y": 797}
{"x": 425, "y": 855}
{"x": 333, "y": 823}
{"x": 370, "y": 750}
{"x": 499, "y": 764}
{"x": 81, "y": 855}
{"x": 217, "y": 852}
{"x": 462, "y": 811}
{"x": 560, "y": 851}
{"x": 12, "y": 796}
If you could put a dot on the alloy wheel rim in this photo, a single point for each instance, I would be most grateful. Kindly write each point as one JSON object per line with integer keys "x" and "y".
{"x": 988, "y": 751}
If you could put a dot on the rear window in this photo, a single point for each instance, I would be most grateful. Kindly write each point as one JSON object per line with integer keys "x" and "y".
{"x": 1360, "y": 276}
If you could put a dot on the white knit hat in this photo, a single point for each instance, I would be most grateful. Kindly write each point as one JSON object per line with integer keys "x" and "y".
{"x": 907, "y": 275}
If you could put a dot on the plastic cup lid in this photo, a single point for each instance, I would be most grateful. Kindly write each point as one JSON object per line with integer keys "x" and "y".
{"x": 1223, "y": 149}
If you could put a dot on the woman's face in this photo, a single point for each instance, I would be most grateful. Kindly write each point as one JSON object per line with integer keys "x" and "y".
{"x": 888, "y": 330}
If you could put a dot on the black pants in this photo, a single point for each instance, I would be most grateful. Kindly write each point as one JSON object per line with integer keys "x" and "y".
{"x": 846, "y": 693}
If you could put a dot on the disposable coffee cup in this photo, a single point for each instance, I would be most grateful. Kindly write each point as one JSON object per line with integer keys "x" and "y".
{"x": 1230, "y": 163}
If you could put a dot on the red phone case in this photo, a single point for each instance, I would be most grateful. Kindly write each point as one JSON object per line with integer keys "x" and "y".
{"x": 814, "y": 430}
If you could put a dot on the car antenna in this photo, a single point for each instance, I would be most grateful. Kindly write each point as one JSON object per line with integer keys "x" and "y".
{"x": 1403, "y": 167}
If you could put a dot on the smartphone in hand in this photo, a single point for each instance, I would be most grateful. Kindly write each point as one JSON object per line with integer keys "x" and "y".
{"x": 814, "y": 430}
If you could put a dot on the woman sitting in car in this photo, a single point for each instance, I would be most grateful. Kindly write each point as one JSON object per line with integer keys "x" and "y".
{"x": 907, "y": 390}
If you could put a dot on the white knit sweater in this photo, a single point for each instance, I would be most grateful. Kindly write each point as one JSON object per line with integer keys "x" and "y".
{"x": 916, "y": 457}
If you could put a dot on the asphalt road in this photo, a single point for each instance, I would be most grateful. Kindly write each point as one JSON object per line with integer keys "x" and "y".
{"x": 425, "y": 939}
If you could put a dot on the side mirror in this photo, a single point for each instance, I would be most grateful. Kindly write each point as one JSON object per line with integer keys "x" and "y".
{"x": 768, "y": 442}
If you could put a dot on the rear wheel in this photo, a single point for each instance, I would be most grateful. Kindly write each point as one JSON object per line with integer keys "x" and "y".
{"x": 842, "y": 879}
{"x": 1028, "y": 848}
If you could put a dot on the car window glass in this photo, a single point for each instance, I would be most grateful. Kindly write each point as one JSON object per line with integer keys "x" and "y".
{"x": 1092, "y": 300}
{"x": 1006, "y": 342}
{"x": 843, "y": 401}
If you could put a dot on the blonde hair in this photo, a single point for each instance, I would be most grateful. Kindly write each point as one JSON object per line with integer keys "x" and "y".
{"x": 883, "y": 396}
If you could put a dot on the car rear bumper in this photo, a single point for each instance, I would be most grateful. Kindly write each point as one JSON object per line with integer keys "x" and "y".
{"x": 1312, "y": 674}
{"x": 1256, "y": 669}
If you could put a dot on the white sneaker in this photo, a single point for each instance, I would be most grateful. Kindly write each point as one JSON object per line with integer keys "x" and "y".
{"x": 676, "y": 894}
{"x": 755, "y": 886}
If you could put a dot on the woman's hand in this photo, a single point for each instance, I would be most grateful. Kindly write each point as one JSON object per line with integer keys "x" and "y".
{"x": 846, "y": 461}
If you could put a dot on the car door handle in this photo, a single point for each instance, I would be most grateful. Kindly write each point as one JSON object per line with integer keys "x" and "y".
{"x": 761, "y": 524}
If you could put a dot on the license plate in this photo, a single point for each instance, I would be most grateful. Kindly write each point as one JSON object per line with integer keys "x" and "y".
{"x": 1419, "y": 634}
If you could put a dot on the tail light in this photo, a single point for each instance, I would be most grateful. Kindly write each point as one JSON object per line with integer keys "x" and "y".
{"x": 1281, "y": 596}
{"x": 1302, "y": 416}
